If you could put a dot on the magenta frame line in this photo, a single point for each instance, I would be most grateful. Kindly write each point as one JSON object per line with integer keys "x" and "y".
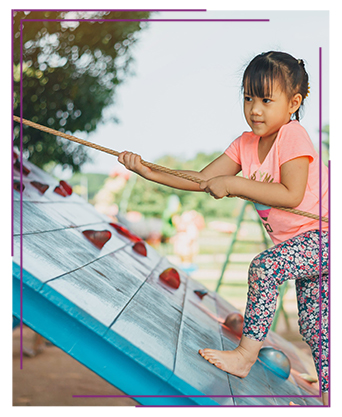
{"x": 195, "y": 396}
{"x": 110, "y": 10}
{"x": 145, "y": 20}
{"x": 21, "y": 150}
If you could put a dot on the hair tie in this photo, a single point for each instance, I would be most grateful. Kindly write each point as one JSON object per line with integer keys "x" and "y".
{"x": 300, "y": 62}
{"x": 308, "y": 90}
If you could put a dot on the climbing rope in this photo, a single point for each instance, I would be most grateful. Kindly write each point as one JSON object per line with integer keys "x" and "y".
{"x": 150, "y": 165}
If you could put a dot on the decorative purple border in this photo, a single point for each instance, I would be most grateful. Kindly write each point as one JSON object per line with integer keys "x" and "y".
{"x": 21, "y": 197}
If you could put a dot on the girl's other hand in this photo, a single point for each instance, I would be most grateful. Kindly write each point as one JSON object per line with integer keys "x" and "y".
{"x": 132, "y": 162}
{"x": 217, "y": 187}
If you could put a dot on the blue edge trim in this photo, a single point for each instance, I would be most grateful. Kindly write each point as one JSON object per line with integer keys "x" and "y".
{"x": 95, "y": 346}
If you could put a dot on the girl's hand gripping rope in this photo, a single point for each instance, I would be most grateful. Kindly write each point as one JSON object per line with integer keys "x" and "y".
{"x": 132, "y": 162}
{"x": 218, "y": 187}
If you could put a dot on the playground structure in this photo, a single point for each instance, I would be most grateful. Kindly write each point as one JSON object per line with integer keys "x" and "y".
{"x": 102, "y": 295}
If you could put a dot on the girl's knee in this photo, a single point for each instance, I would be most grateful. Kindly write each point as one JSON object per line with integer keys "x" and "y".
{"x": 257, "y": 269}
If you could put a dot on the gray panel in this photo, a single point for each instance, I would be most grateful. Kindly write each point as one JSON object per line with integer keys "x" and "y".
{"x": 199, "y": 330}
{"x": 151, "y": 323}
{"x": 51, "y": 254}
{"x": 37, "y": 217}
{"x": 102, "y": 288}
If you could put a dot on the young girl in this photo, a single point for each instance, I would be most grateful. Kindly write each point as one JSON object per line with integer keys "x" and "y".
{"x": 279, "y": 168}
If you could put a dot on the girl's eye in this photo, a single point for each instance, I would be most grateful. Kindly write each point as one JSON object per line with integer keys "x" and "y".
{"x": 247, "y": 98}
{"x": 266, "y": 100}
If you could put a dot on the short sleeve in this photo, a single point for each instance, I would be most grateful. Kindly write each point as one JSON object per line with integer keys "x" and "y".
{"x": 233, "y": 150}
{"x": 294, "y": 142}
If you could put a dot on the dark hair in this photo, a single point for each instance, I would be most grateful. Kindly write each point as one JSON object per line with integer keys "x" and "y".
{"x": 268, "y": 67}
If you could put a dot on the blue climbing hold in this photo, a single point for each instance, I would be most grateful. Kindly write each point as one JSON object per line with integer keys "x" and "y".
{"x": 276, "y": 361}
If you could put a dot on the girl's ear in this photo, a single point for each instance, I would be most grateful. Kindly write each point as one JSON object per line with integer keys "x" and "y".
{"x": 295, "y": 103}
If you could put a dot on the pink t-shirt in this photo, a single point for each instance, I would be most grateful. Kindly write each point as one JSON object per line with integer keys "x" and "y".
{"x": 292, "y": 142}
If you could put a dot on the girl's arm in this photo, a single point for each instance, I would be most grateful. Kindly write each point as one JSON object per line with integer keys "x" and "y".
{"x": 288, "y": 193}
{"x": 223, "y": 165}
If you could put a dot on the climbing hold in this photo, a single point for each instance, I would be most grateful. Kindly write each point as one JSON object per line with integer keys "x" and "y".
{"x": 125, "y": 232}
{"x": 26, "y": 171}
{"x": 60, "y": 190}
{"x": 140, "y": 248}
{"x": 234, "y": 322}
{"x": 18, "y": 186}
{"x": 276, "y": 361}
{"x": 63, "y": 189}
{"x": 66, "y": 186}
{"x": 201, "y": 293}
{"x": 97, "y": 237}
{"x": 308, "y": 378}
{"x": 170, "y": 277}
{"x": 40, "y": 187}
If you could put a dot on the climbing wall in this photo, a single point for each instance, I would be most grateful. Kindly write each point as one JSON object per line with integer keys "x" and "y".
{"x": 109, "y": 300}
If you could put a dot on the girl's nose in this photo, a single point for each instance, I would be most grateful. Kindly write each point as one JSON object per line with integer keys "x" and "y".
{"x": 256, "y": 110}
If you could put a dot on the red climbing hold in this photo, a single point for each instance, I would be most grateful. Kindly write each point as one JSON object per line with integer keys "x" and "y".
{"x": 40, "y": 187}
{"x": 18, "y": 186}
{"x": 97, "y": 237}
{"x": 26, "y": 171}
{"x": 201, "y": 293}
{"x": 234, "y": 322}
{"x": 125, "y": 232}
{"x": 60, "y": 190}
{"x": 140, "y": 248}
{"x": 63, "y": 189}
{"x": 170, "y": 277}
{"x": 66, "y": 186}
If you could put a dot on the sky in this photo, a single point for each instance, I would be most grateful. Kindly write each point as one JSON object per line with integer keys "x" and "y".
{"x": 185, "y": 96}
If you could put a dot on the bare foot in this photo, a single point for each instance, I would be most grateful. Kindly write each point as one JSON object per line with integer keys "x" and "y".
{"x": 237, "y": 362}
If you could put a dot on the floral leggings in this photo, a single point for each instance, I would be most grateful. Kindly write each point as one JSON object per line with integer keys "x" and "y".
{"x": 296, "y": 258}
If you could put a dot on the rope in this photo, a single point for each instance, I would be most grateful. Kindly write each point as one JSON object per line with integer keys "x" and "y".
{"x": 150, "y": 165}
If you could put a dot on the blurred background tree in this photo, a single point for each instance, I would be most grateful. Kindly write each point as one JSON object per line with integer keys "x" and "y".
{"x": 70, "y": 72}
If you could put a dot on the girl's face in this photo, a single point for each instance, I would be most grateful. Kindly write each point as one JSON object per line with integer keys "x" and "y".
{"x": 266, "y": 115}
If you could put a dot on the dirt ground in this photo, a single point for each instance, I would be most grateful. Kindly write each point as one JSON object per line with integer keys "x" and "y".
{"x": 52, "y": 378}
